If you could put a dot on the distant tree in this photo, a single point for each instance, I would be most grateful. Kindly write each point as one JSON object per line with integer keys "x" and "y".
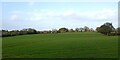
{"x": 24, "y": 31}
{"x": 71, "y": 30}
{"x": 97, "y": 29}
{"x": 14, "y": 32}
{"x": 38, "y": 32}
{"x": 0, "y": 33}
{"x": 49, "y": 31}
{"x": 86, "y": 28}
{"x": 4, "y": 33}
{"x": 28, "y": 31}
{"x": 118, "y": 30}
{"x": 45, "y": 32}
{"x": 21, "y": 32}
{"x": 76, "y": 29}
{"x": 31, "y": 31}
{"x": 110, "y": 25}
{"x": 91, "y": 30}
{"x": 81, "y": 29}
{"x": 62, "y": 30}
{"x": 54, "y": 31}
{"x": 105, "y": 29}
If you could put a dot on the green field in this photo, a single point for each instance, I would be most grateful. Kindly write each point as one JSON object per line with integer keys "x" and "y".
{"x": 62, "y": 45}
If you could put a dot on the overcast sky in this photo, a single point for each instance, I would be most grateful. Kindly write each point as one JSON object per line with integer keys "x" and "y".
{"x": 54, "y": 15}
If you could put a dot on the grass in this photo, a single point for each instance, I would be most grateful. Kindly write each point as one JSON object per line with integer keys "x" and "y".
{"x": 63, "y": 45}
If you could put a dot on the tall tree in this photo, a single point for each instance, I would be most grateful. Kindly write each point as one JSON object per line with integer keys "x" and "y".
{"x": 54, "y": 31}
{"x": 86, "y": 28}
{"x": 81, "y": 29}
{"x": 105, "y": 29}
{"x": 110, "y": 25}
{"x": 97, "y": 29}
{"x": 31, "y": 31}
{"x": 118, "y": 30}
{"x": 77, "y": 29}
{"x": 71, "y": 30}
{"x": 62, "y": 30}
{"x": 91, "y": 30}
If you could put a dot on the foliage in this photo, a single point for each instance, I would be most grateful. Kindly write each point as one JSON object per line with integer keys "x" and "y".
{"x": 6, "y": 33}
{"x": 54, "y": 31}
{"x": 118, "y": 30}
{"x": 81, "y": 29}
{"x": 108, "y": 29}
{"x": 86, "y": 28}
{"x": 97, "y": 29}
{"x": 105, "y": 29}
{"x": 77, "y": 29}
{"x": 71, "y": 30}
{"x": 62, "y": 30}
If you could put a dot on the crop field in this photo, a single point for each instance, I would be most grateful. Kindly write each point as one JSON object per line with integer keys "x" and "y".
{"x": 61, "y": 45}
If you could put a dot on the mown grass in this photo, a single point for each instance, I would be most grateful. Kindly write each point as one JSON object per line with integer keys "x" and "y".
{"x": 63, "y": 45}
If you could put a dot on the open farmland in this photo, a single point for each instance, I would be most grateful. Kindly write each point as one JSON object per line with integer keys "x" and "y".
{"x": 61, "y": 45}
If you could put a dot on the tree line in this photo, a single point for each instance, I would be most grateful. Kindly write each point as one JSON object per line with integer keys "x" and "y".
{"x": 106, "y": 29}
{"x": 6, "y": 33}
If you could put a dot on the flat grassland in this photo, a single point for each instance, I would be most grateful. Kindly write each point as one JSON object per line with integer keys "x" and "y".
{"x": 62, "y": 45}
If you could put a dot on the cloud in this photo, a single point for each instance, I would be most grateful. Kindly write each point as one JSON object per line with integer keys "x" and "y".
{"x": 14, "y": 17}
{"x": 31, "y": 3}
{"x": 103, "y": 14}
{"x": 33, "y": 18}
{"x": 70, "y": 18}
{"x": 69, "y": 12}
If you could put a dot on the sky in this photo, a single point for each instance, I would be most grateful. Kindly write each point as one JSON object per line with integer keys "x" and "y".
{"x": 55, "y": 15}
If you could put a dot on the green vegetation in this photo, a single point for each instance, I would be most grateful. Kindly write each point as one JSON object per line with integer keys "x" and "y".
{"x": 63, "y": 30}
{"x": 61, "y": 45}
{"x": 106, "y": 29}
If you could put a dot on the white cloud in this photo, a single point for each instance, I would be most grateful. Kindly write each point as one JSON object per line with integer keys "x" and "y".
{"x": 33, "y": 18}
{"x": 71, "y": 14}
{"x": 70, "y": 18}
{"x": 104, "y": 14}
{"x": 14, "y": 17}
{"x": 31, "y": 3}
